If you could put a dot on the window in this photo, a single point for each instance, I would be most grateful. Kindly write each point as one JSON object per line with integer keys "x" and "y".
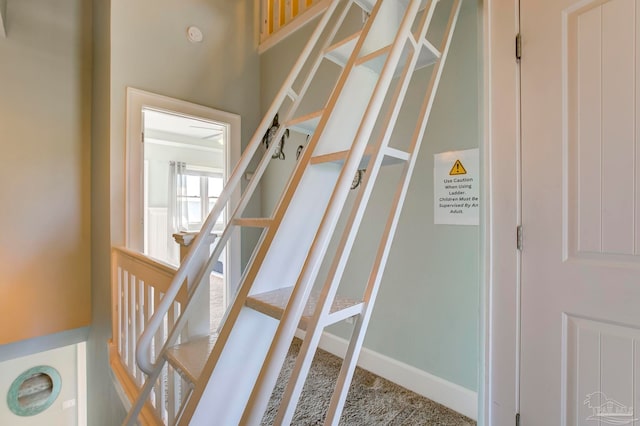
{"x": 202, "y": 191}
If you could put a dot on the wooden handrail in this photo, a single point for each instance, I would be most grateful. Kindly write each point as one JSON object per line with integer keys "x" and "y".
{"x": 158, "y": 273}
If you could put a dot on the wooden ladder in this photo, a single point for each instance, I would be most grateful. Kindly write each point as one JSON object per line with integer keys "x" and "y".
{"x": 230, "y": 376}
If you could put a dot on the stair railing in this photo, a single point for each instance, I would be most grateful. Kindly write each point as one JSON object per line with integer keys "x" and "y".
{"x": 195, "y": 266}
{"x": 278, "y": 13}
{"x": 137, "y": 287}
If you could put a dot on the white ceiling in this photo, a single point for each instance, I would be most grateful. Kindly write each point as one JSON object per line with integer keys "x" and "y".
{"x": 183, "y": 128}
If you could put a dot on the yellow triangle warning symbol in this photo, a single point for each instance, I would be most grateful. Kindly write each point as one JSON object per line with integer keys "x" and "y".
{"x": 458, "y": 169}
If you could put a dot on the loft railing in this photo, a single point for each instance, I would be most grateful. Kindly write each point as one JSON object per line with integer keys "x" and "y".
{"x": 138, "y": 285}
{"x": 281, "y": 18}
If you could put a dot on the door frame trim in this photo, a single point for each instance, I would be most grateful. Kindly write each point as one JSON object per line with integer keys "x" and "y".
{"x": 500, "y": 216}
{"x": 137, "y": 100}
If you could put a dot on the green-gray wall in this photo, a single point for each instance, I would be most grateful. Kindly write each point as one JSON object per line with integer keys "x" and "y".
{"x": 428, "y": 310}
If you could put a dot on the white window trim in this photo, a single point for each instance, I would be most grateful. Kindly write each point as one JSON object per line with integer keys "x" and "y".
{"x": 204, "y": 172}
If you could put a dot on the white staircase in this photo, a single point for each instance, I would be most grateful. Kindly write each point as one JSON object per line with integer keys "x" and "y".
{"x": 229, "y": 377}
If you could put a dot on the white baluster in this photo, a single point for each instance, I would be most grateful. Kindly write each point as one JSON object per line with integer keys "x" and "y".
{"x": 132, "y": 323}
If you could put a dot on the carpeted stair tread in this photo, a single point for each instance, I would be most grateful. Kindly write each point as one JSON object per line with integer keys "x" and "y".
{"x": 189, "y": 358}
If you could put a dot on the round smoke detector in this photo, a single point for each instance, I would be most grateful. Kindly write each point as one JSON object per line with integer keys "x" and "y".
{"x": 34, "y": 391}
{"x": 194, "y": 34}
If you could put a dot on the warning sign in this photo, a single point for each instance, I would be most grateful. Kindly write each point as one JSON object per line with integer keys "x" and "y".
{"x": 457, "y": 187}
{"x": 458, "y": 169}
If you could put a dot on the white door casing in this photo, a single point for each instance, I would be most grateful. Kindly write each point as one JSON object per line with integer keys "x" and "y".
{"x": 580, "y": 288}
{"x": 499, "y": 215}
{"x": 136, "y": 101}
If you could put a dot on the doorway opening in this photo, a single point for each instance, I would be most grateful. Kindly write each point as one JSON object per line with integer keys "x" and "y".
{"x": 175, "y": 176}
{"x": 184, "y": 173}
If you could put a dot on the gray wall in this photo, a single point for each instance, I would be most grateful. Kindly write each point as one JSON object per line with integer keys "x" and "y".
{"x": 427, "y": 311}
{"x": 45, "y": 120}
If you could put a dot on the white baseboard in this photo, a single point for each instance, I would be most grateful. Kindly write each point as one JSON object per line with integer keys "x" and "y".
{"x": 451, "y": 395}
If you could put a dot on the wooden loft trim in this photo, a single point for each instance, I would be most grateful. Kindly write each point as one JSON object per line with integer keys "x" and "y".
{"x": 267, "y": 41}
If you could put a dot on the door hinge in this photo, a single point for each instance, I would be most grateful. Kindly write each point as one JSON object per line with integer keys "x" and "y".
{"x": 519, "y": 237}
{"x": 142, "y": 137}
{"x": 518, "y": 46}
{"x": 517, "y": 419}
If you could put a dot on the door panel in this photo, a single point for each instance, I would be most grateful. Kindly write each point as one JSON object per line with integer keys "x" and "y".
{"x": 602, "y": 361}
{"x": 580, "y": 212}
{"x": 601, "y": 126}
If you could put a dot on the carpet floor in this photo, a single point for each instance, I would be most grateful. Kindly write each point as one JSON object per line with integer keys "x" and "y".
{"x": 371, "y": 400}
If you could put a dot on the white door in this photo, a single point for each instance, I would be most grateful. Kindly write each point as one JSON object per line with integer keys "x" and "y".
{"x": 580, "y": 341}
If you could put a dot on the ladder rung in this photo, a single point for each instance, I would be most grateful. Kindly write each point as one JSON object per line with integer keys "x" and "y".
{"x": 397, "y": 154}
{"x": 367, "y": 5}
{"x": 334, "y": 157}
{"x": 292, "y": 94}
{"x": 189, "y": 358}
{"x": 391, "y": 156}
{"x": 306, "y": 124}
{"x": 375, "y": 61}
{"x": 342, "y": 314}
{"x": 341, "y": 51}
{"x": 253, "y": 222}
{"x": 273, "y": 304}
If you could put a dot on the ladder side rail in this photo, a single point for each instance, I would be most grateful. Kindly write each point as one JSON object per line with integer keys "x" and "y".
{"x": 239, "y": 170}
{"x": 259, "y": 172}
{"x": 325, "y": 300}
{"x": 345, "y": 246}
{"x": 259, "y": 255}
{"x": 300, "y": 294}
{"x": 426, "y": 20}
{"x": 283, "y": 203}
{"x": 261, "y": 249}
{"x": 185, "y": 401}
{"x": 316, "y": 325}
{"x": 348, "y": 367}
{"x": 143, "y": 355}
{"x": 146, "y": 390}
{"x": 267, "y": 158}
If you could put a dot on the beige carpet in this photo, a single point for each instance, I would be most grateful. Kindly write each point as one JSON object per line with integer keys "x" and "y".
{"x": 371, "y": 400}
